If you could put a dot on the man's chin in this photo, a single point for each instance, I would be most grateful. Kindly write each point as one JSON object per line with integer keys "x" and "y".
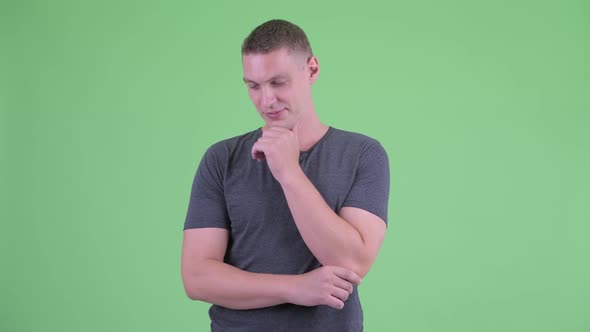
{"x": 280, "y": 124}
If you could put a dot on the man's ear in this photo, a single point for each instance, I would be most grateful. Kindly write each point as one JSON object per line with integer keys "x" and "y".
{"x": 313, "y": 68}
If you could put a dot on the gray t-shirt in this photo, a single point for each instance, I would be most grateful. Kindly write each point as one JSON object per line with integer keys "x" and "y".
{"x": 231, "y": 190}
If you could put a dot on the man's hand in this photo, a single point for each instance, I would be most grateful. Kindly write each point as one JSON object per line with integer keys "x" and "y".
{"x": 280, "y": 147}
{"x": 327, "y": 285}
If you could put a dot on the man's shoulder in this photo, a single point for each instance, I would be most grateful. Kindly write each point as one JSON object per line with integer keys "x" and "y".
{"x": 228, "y": 145}
{"x": 351, "y": 138}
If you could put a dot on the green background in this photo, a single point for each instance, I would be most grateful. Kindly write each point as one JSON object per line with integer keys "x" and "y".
{"x": 484, "y": 109}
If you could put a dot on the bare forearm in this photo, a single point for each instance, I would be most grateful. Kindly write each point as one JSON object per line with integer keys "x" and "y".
{"x": 331, "y": 239}
{"x": 222, "y": 284}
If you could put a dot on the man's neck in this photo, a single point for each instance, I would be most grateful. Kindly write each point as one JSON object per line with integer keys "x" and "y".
{"x": 310, "y": 134}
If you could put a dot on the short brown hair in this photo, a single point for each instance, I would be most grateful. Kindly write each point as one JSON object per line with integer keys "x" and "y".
{"x": 275, "y": 34}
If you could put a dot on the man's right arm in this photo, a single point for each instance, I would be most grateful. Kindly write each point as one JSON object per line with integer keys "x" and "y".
{"x": 208, "y": 278}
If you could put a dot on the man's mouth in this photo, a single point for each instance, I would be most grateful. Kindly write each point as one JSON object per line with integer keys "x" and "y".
{"x": 274, "y": 114}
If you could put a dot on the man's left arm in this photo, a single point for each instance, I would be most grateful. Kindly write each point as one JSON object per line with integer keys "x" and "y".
{"x": 350, "y": 239}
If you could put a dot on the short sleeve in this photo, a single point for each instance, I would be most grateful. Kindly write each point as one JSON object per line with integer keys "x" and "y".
{"x": 207, "y": 206}
{"x": 370, "y": 188}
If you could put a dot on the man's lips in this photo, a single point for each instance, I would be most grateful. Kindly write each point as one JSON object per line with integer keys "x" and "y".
{"x": 274, "y": 114}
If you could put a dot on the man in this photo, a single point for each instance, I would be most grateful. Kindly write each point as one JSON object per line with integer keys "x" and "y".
{"x": 284, "y": 221}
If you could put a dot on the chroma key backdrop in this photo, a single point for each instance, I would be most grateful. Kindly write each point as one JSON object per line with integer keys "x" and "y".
{"x": 483, "y": 107}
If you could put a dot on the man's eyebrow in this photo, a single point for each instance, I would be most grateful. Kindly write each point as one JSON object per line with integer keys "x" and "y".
{"x": 279, "y": 76}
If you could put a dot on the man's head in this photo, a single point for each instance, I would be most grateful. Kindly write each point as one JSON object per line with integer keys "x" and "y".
{"x": 279, "y": 69}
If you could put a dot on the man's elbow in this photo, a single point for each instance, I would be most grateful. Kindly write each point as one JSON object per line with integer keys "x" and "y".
{"x": 191, "y": 287}
{"x": 192, "y": 296}
{"x": 196, "y": 294}
{"x": 191, "y": 293}
{"x": 361, "y": 268}
{"x": 364, "y": 260}
{"x": 359, "y": 265}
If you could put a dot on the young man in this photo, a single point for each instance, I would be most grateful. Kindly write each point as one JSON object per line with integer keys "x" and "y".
{"x": 284, "y": 221}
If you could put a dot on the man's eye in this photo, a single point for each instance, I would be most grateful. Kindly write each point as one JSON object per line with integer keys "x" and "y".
{"x": 278, "y": 83}
{"x": 253, "y": 87}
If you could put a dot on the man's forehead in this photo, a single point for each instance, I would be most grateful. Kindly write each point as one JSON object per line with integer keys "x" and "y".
{"x": 282, "y": 51}
{"x": 273, "y": 77}
{"x": 274, "y": 65}
{"x": 279, "y": 54}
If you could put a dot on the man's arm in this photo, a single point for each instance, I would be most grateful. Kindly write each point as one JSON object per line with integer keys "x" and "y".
{"x": 207, "y": 278}
{"x": 351, "y": 239}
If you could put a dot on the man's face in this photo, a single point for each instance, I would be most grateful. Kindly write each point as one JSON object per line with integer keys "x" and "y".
{"x": 279, "y": 85}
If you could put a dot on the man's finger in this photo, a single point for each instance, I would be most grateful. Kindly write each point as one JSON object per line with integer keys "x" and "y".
{"x": 264, "y": 140}
{"x": 273, "y": 132}
{"x": 340, "y": 294}
{"x": 344, "y": 284}
{"x": 277, "y": 129}
{"x": 346, "y": 274}
{"x": 335, "y": 303}
{"x": 258, "y": 151}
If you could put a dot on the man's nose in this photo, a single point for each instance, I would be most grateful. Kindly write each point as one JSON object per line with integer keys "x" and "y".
{"x": 268, "y": 97}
